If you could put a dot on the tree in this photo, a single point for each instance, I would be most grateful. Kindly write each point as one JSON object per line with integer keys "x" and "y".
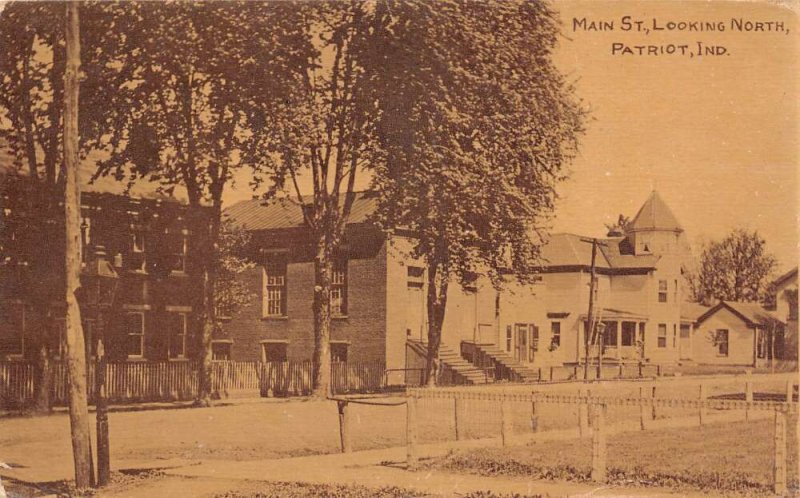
{"x": 736, "y": 268}
{"x": 475, "y": 127}
{"x": 31, "y": 126}
{"x": 327, "y": 139}
{"x": 619, "y": 228}
{"x": 185, "y": 95}
{"x": 76, "y": 345}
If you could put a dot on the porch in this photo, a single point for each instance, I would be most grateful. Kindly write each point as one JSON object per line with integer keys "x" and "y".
{"x": 621, "y": 334}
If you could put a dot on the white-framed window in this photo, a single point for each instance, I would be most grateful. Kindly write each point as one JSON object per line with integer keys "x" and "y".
{"x": 721, "y": 342}
{"x": 662, "y": 291}
{"x": 628, "y": 334}
{"x": 138, "y": 248}
{"x": 662, "y": 335}
{"x": 221, "y": 350}
{"x": 274, "y": 286}
{"x": 134, "y": 329}
{"x": 339, "y": 351}
{"x": 339, "y": 288}
{"x": 12, "y": 329}
{"x": 275, "y": 351}
{"x": 180, "y": 249}
{"x": 178, "y": 331}
{"x": 555, "y": 335}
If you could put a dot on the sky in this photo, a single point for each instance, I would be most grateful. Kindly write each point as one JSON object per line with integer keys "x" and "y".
{"x": 717, "y": 136}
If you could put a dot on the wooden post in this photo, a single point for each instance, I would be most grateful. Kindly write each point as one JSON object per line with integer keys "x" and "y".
{"x": 101, "y": 413}
{"x": 642, "y": 409}
{"x": 748, "y": 396}
{"x": 640, "y": 369}
{"x": 789, "y": 391}
{"x": 505, "y": 423}
{"x": 534, "y": 418}
{"x": 653, "y": 396}
{"x": 583, "y": 415}
{"x": 411, "y": 433}
{"x": 703, "y": 411}
{"x": 658, "y": 370}
{"x": 779, "y": 463}
{"x": 551, "y": 373}
{"x": 344, "y": 427}
{"x": 621, "y": 373}
{"x": 599, "y": 444}
{"x": 457, "y": 410}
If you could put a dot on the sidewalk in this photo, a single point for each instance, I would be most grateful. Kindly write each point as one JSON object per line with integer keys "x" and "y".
{"x": 386, "y": 467}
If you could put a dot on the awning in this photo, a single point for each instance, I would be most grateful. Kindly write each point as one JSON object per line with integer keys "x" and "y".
{"x": 618, "y": 315}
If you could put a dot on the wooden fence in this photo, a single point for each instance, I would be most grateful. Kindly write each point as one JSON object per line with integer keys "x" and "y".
{"x": 131, "y": 382}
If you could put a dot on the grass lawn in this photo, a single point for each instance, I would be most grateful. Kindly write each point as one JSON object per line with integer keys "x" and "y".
{"x": 302, "y": 490}
{"x": 735, "y": 457}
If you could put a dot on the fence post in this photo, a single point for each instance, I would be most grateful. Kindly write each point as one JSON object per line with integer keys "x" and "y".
{"x": 779, "y": 463}
{"x": 583, "y": 415}
{"x": 599, "y": 444}
{"x": 457, "y": 410}
{"x": 621, "y": 373}
{"x": 658, "y": 370}
{"x": 344, "y": 426}
{"x": 703, "y": 411}
{"x": 411, "y": 432}
{"x": 640, "y": 369}
{"x": 505, "y": 423}
{"x": 789, "y": 391}
{"x": 534, "y": 417}
{"x": 653, "y": 404}
{"x": 642, "y": 409}
{"x": 551, "y": 373}
{"x": 748, "y": 396}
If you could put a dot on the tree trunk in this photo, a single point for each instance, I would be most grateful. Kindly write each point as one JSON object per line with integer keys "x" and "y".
{"x": 437, "y": 302}
{"x": 76, "y": 348}
{"x": 207, "y": 234}
{"x": 321, "y": 360}
{"x": 44, "y": 373}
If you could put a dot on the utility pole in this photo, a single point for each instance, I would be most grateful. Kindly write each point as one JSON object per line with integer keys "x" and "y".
{"x": 590, "y": 317}
{"x": 76, "y": 344}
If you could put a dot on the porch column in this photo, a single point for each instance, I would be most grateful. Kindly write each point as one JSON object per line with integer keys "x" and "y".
{"x": 619, "y": 339}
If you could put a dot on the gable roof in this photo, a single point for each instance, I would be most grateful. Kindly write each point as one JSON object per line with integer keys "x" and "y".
{"x": 690, "y": 312}
{"x": 255, "y": 214}
{"x": 753, "y": 314}
{"x": 655, "y": 215}
{"x": 786, "y": 277}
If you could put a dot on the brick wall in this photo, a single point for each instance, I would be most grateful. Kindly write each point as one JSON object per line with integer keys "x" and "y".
{"x": 364, "y": 327}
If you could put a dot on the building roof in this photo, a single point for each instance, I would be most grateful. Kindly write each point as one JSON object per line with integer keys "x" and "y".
{"x": 753, "y": 314}
{"x": 786, "y": 277}
{"x": 618, "y": 314}
{"x": 255, "y": 214}
{"x": 570, "y": 250}
{"x": 655, "y": 215}
{"x": 690, "y": 312}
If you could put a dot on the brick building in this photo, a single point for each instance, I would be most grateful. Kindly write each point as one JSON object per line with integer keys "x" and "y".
{"x": 379, "y": 298}
{"x": 146, "y": 240}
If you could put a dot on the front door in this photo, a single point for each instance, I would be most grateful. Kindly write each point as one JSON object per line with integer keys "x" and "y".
{"x": 521, "y": 342}
{"x": 686, "y": 342}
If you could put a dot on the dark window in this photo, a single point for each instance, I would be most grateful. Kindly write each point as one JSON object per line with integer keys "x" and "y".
{"x": 555, "y": 335}
{"x": 721, "y": 342}
{"x": 415, "y": 276}
{"x": 662, "y": 291}
{"x": 674, "y": 335}
{"x": 138, "y": 249}
{"x": 534, "y": 342}
{"x": 662, "y": 335}
{"x": 685, "y": 331}
{"x": 178, "y": 328}
{"x": 610, "y": 334}
{"x": 628, "y": 333}
{"x": 275, "y": 351}
{"x": 134, "y": 327}
{"x": 179, "y": 246}
{"x": 221, "y": 351}
{"x": 274, "y": 292}
{"x": 12, "y": 329}
{"x": 339, "y": 351}
{"x": 509, "y": 337}
{"x": 339, "y": 288}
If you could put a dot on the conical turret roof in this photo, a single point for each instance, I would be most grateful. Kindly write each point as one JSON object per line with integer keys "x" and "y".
{"x": 655, "y": 215}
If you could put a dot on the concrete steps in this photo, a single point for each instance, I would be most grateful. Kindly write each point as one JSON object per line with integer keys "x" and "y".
{"x": 502, "y": 358}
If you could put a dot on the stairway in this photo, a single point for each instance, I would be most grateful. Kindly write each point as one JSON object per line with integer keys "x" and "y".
{"x": 451, "y": 363}
{"x": 506, "y": 366}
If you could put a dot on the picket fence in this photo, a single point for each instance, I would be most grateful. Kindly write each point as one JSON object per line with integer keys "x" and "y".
{"x": 131, "y": 382}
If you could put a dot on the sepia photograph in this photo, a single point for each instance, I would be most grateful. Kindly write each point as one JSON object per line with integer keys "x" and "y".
{"x": 399, "y": 248}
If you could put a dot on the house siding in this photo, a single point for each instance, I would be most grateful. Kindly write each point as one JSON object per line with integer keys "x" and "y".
{"x": 740, "y": 340}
